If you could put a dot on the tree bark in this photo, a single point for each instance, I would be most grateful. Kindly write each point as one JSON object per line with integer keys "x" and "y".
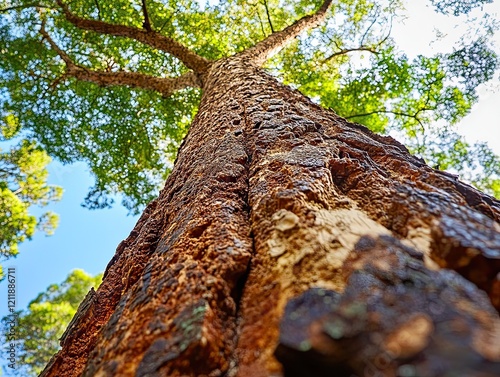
{"x": 288, "y": 241}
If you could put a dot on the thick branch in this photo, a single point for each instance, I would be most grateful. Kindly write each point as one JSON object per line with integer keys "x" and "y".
{"x": 164, "y": 86}
{"x": 154, "y": 39}
{"x": 347, "y": 50}
{"x": 276, "y": 41}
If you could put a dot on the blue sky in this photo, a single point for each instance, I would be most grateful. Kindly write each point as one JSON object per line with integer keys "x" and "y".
{"x": 88, "y": 239}
{"x": 84, "y": 239}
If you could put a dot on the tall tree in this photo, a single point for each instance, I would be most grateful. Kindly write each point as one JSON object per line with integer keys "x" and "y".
{"x": 286, "y": 240}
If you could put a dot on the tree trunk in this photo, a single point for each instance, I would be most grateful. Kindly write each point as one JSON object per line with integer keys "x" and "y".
{"x": 288, "y": 241}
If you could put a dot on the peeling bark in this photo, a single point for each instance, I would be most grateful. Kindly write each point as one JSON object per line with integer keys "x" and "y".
{"x": 273, "y": 200}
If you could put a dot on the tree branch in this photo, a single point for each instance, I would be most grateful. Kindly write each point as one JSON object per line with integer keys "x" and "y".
{"x": 146, "y": 24}
{"x": 268, "y": 16}
{"x": 98, "y": 9}
{"x": 7, "y": 171}
{"x": 414, "y": 116}
{"x": 151, "y": 38}
{"x": 362, "y": 47}
{"x": 347, "y": 50}
{"x": 164, "y": 86}
{"x": 168, "y": 20}
{"x": 264, "y": 49}
{"x": 375, "y": 18}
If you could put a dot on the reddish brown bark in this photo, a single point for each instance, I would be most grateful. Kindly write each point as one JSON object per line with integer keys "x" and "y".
{"x": 269, "y": 198}
{"x": 394, "y": 318}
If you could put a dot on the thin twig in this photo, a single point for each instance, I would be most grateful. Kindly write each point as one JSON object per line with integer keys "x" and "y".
{"x": 347, "y": 50}
{"x": 375, "y": 18}
{"x": 167, "y": 20}
{"x": 146, "y": 24}
{"x": 25, "y": 6}
{"x": 414, "y": 116}
{"x": 98, "y": 9}
{"x": 268, "y": 16}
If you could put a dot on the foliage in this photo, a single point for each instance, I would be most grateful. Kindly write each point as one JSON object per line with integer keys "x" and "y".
{"x": 129, "y": 136}
{"x": 43, "y": 323}
{"x": 457, "y": 7}
{"x": 23, "y": 184}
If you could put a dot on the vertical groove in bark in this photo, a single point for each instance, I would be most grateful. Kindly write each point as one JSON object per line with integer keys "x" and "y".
{"x": 265, "y": 171}
{"x": 179, "y": 319}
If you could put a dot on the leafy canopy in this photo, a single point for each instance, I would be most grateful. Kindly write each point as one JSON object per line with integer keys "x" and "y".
{"x": 128, "y": 133}
{"x": 42, "y": 324}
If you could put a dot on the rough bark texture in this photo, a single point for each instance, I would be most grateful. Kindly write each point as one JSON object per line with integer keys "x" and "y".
{"x": 281, "y": 215}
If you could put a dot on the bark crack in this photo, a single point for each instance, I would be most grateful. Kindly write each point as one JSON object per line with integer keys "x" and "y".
{"x": 241, "y": 283}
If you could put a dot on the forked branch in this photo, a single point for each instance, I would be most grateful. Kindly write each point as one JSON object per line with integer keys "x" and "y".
{"x": 362, "y": 47}
{"x": 264, "y": 49}
{"x": 164, "y": 86}
{"x": 149, "y": 37}
{"x": 398, "y": 113}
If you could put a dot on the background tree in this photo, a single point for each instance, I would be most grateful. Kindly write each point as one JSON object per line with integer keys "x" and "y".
{"x": 43, "y": 323}
{"x": 23, "y": 185}
{"x": 286, "y": 238}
